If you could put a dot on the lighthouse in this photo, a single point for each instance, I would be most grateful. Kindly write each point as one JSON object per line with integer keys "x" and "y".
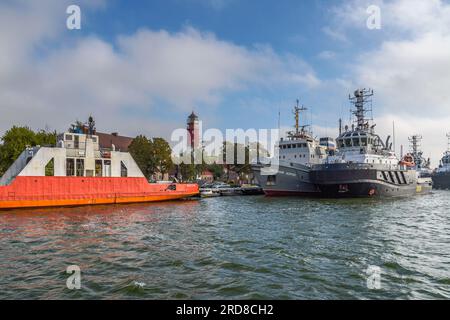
{"x": 193, "y": 127}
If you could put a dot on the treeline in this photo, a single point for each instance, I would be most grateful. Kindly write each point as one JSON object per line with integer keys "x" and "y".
{"x": 151, "y": 155}
{"x": 219, "y": 167}
{"x": 16, "y": 139}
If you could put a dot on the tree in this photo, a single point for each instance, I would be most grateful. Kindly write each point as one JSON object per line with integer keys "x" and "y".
{"x": 141, "y": 151}
{"x": 45, "y": 138}
{"x": 16, "y": 139}
{"x": 151, "y": 155}
{"x": 162, "y": 155}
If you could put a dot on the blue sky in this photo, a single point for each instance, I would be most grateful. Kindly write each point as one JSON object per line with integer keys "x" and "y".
{"x": 142, "y": 66}
{"x": 288, "y": 27}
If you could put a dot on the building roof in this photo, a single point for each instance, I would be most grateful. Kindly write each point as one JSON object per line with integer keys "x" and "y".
{"x": 207, "y": 173}
{"x": 106, "y": 140}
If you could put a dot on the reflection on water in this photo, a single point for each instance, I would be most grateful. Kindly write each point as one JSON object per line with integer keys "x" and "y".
{"x": 230, "y": 247}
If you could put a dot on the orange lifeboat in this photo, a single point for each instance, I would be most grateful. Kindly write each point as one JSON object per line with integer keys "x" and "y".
{"x": 408, "y": 161}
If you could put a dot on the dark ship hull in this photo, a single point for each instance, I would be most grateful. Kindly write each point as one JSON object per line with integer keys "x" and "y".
{"x": 363, "y": 180}
{"x": 293, "y": 180}
{"x": 441, "y": 180}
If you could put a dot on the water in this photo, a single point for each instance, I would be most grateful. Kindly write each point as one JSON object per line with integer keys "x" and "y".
{"x": 231, "y": 248}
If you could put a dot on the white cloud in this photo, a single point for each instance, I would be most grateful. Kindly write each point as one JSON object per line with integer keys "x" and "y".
{"x": 326, "y": 55}
{"x": 408, "y": 68}
{"x": 126, "y": 84}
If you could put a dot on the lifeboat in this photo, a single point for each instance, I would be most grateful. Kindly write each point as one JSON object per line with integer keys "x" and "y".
{"x": 408, "y": 161}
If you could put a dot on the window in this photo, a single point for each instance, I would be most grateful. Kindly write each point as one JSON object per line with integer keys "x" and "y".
{"x": 69, "y": 137}
{"x": 70, "y": 167}
{"x": 94, "y": 139}
{"x": 77, "y": 142}
{"x": 107, "y": 165}
{"x": 364, "y": 142}
{"x": 356, "y": 142}
{"x": 80, "y": 167}
{"x": 348, "y": 142}
{"x": 50, "y": 168}
{"x": 98, "y": 168}
{"x": 123, "y": 170}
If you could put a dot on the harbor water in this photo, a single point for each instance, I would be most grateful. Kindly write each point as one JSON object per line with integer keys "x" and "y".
{"x": 231, "y": 248}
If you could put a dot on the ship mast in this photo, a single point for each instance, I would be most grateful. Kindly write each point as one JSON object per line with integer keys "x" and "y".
{"x": 448, "y": 142}
{"x": 415, "y": 141}
{"x": 362, "y": 100}
{"x": 300, "y": 131}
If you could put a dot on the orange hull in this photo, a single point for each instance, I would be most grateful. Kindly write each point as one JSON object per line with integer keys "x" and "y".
{"x": 29, "y": 192}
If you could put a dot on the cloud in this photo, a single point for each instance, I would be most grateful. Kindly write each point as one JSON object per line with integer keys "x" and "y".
{"x": 407, "y": 66}
{"x": 326, "y": 55}
{"x": 133, "y": 84}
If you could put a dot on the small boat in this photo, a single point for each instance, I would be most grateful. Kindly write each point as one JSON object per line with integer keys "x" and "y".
{"x": 209, "y": 193}
{"x": 251, "y": 190}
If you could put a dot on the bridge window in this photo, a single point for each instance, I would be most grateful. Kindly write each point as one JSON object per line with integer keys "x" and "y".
{"x": 80, "y": 167}
{"x": 50, "y": 168}
{"x": 70, "y": 167}
{"x": 364, "y": 142}
{"x": 98, "y": 168}
{"x": 123, "y": 170}
{"x": 348, "y": 142}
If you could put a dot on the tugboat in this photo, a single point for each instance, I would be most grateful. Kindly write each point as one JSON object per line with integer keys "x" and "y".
{"x": 77, "y": 172}
{"x": 297, "y": 153}
{"x": 363, "y": 165}
{"x": 415, "y": 161}
{"x": 441, "y": 177}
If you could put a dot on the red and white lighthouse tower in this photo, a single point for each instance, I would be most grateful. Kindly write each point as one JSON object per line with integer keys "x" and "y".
{"x": 193, "y": 127}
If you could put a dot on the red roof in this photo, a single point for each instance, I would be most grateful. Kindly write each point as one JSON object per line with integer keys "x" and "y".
{"x": 207, "y": 173}
{"x": 121, "y": 143}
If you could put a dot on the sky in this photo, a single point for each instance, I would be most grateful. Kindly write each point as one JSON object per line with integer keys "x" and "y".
{"x": 140, "y": 67}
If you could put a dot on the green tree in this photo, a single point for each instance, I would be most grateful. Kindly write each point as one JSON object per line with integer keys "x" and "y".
{"x": 141, "y": 150}
{"x": 151, "y": 155}
{"x": 162, "y": 154}
{"x": 217, "y": 170}
{"x": 45, "y": 138}
{"x": 188, "y": 171}
{"x": 16, "y": 139}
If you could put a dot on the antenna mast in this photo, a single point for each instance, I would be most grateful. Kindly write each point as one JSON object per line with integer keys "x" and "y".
{"x": 415, "y": 145}
{"x": 448, "y": 142}
{"x": 299, "y": 130}
{"x": 297, "y": 110}
{"x": 362, "y": 100}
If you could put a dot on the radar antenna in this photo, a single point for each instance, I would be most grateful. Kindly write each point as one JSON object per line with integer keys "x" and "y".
{"x": 448, "y": 142}
{"x": 415, "y": 144}
{"x": 362, "y": 100}
{"x": 300, "y": 131}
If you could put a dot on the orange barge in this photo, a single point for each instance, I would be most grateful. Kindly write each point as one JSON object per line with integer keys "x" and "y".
{"x": 76, "y": 173}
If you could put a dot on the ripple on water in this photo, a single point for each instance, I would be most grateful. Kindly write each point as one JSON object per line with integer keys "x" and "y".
{"x": 231, "y": 248}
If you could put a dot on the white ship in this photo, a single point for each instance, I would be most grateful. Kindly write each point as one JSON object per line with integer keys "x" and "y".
{"x": 297, "y": 153}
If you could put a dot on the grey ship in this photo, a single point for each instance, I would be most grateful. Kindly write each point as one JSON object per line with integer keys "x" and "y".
{"x": 416, "y": 161}
{"x": 441, "y": 177}
{"x": 297, "y": 153}
{"x": 364, "y": 165}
